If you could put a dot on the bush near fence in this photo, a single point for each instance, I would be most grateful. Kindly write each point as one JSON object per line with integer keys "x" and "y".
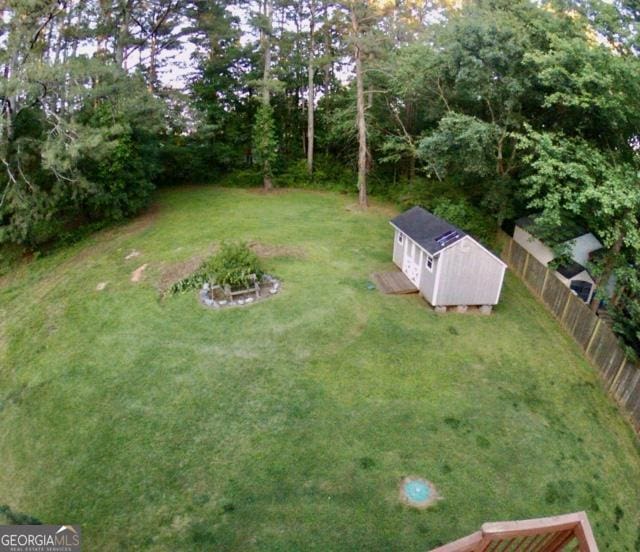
{"x": 620, "y": 376}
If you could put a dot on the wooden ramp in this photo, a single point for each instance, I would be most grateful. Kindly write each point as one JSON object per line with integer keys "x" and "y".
{"x": 568, "y": 533}
{"x": 393, "y": 283}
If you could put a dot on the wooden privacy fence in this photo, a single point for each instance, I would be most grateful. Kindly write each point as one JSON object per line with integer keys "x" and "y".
{"x": 621, "y": 377}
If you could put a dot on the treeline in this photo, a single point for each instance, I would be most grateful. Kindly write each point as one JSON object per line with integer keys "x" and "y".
{"x": 482, "y": 110}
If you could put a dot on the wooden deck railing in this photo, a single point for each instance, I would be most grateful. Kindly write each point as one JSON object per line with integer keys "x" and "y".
{"x": 569, "y": 533}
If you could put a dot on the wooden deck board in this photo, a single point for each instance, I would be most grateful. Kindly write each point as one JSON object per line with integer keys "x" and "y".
{"x": 393, "y": 283}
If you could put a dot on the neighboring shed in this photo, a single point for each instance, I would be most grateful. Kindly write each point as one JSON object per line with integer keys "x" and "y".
{"x": 448, "y": 266}
{"x": 581, "y": 243}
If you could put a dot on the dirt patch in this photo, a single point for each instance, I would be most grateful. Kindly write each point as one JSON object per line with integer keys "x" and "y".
{"x": 267, "y": 250}
{"x": 171, "y": 273}
{"x": 178, "y": 271}
{"x": 135, "y": 253}
{"x": 136, "y": 275}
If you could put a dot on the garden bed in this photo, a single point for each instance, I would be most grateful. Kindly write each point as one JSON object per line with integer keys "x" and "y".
{"x": 217, "y": 297}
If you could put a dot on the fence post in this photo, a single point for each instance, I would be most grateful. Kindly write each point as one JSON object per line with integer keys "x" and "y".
{"x": 566, "y": 306}
{"x": 544, "y": 283}
{"x": 508, "y": 259}
{"x": 593, "y": 335}
{"x": 614, "y": 381}
{"x": 526, "y": 265}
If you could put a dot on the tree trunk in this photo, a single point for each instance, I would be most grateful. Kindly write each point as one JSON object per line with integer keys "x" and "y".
{"x": 360, "y": 115}
{"x": 500, "y": 161}
{"x": 328, "y": 69}
{"x": 608, "y": 270}
{"x": 122, "y": 33}
{"x": 5, "y": 114}
{"x": 11, "y": 102}
{"x": 310, "y": 92}
{"x": 153, "y": 71}
{"x": 267, "y": 184}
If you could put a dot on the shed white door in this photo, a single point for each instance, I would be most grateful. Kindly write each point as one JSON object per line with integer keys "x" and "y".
{"x": 411, "y": 262}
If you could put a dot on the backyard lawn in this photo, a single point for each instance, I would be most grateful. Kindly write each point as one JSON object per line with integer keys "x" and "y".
{"x": 159, "y": 424}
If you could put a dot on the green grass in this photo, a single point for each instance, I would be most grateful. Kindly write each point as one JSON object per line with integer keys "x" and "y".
{"x": 287, "y": 425}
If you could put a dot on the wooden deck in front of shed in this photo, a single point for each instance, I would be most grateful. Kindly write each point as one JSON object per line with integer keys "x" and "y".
{"x": 395, "y": 283}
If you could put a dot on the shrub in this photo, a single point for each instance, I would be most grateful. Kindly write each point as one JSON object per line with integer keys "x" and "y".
{"x": 469, "y": 218}
{"x": 327, "y": 175}
{"x": 233, "y": 265}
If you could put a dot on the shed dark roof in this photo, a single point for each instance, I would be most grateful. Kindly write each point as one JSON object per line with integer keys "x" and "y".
{"x": 525, "y": 222}
{"x": 571, "y": 270}
{"x": 427, "y": 230}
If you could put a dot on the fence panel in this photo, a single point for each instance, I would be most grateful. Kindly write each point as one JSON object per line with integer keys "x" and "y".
{"x": 535, "y": 275}
{"x": 555, "y": 296}
{"x": 627, "y": 380}
{"x": 518, "y": 258}
{"x": 605, "y": 352}
{"x": 632, "y": 404}
{"x": 506, "y": 243}
{"x": 626, "y": 390}
{"x": 578, "y": 320}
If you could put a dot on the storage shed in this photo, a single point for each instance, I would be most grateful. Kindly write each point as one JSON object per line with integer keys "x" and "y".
{"x": 448, "y": 266}
{"x": 581, "y": 245}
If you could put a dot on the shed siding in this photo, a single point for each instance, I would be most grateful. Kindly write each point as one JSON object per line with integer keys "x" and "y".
{"x": 579, "y": 248}
{"x": 428, "y": 279}
{"x": 533, "y": 245}
{"x": 582, "y": 246}
{"x": 469, "y": 275}
{"x": 582, "y": 276}
{"x": 398, "y": 249}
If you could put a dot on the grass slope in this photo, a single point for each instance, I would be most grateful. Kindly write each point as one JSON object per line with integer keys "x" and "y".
{"x": 161, "y": 425}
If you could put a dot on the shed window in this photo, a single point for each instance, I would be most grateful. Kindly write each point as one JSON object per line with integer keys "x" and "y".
{"x": 428, "y": 263}
{"x": 400, "y": 237}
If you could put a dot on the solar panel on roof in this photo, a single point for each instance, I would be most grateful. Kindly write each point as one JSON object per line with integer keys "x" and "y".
{"x": 447, "y": 237}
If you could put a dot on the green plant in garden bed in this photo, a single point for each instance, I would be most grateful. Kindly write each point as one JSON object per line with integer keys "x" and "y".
{"x": 233, "y": 265}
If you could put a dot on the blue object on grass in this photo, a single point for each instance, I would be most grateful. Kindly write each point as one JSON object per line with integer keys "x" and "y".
{"x": 417, "y": 491}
